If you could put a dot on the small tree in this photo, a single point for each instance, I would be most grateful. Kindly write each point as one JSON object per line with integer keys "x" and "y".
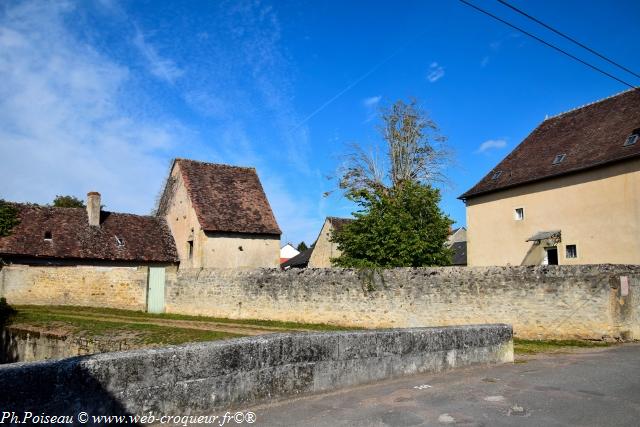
{"x": 402, "y": 228}
{"x": 302, "y": 246}
{"x": 8, "y": 218}
{"x": 68, "y": 202}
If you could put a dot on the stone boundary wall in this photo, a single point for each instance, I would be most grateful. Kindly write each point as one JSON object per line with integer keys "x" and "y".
{"x": 24, "y": 344}
{"x": 114, "y": 287}
{"x": 541, "y": 302}
{"x": 205, "y": 377}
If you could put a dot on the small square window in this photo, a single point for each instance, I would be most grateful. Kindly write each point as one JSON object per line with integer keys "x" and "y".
{"x": 119, "y": 242}
{"x": 572, "y": 251}
{"x": 47, "y": 236}
{"x": 518, "y": 214}
{"x": 496, "y": 175}
{"x": 559, "y": 159}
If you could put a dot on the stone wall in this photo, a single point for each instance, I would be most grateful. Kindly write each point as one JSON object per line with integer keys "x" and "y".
{"x": 115, "y": 287}
{"x": 23, "y": 344}
{"x": 540, "y": 302}
{"x": 586, "y": 301}
{"x": 205, "y": 377}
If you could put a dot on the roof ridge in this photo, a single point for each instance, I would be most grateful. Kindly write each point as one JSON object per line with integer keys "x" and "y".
{"x": 214, "y": 164}
{"x": 588, "y": 104}
{"x": 39, "y": 206}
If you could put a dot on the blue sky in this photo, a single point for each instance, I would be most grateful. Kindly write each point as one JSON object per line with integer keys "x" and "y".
{"x": 102, "y": 95}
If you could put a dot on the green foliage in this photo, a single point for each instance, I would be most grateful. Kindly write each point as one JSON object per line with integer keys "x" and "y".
{"x": 68, "y": 202}
{"x": 8, "y": 218}
{"x": 6, "y": 312}
{"x": 302, "y": 246}
{"x": 402, "y": 227}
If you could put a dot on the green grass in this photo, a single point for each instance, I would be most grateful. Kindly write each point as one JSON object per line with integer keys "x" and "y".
{"x": 140, "y": 333}
{"x": 93, "y": 311}
{"x": 521, "y": 346}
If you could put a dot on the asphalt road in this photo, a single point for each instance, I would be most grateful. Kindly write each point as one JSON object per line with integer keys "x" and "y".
{"x": 596, "y": 387}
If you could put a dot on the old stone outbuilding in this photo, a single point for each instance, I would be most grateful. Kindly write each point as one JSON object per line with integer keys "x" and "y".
{"x": 86, "y": 257}
{"x": 219, "y": 216}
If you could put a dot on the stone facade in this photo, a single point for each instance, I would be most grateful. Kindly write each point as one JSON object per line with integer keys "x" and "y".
{"x": 205, "y": 377}
{"x": 594, "y": 301}
{"x": 324, "y": 249}
{"x": 198, "y": 248}
{"x": 92, "y": 286}
{"x": 595, "y": 210}
{"x": 540, "y": 302}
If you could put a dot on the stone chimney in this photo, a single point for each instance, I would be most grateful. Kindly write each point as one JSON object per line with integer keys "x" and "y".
{"x": 93, "y": 208}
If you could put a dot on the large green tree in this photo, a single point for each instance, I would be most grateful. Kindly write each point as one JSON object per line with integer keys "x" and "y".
{"x": 68, "y": 202}
{"x": 401, "y": 228}
{"x": 399, "y": 222}
{"x": 8, "y": 218}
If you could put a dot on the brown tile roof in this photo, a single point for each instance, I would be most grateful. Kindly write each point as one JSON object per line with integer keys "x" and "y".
{"x": 338, "y": 223}
{"x": 590, "y": 136}
{"x": 146, "y": 238}
{"x": 228, "y": 198}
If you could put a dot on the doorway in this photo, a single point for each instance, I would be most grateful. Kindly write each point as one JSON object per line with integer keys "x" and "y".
{"x": 551, "y": 256}
{"x": 155, "y": 295}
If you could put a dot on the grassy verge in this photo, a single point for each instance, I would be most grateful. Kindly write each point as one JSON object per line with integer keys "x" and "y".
{"x": 139, "y": 333}
{"x": 93, "y": 311}
{"x": 522, "y": 347}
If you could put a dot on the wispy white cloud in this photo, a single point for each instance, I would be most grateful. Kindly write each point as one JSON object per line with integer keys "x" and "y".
{"x": 162, "y": 68}
{"x": 435, "y": 72}
{"x": 371, "y": 106}
{"x": 64, "y": 125}
{"x": 492, "y": 144}
{"x": 372, "y": 101}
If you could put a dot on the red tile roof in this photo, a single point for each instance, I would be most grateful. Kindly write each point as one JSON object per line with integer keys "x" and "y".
{"x": 228, "y": 198}
{"x": 590, "y": 136}
{"x": 146, "y": 238}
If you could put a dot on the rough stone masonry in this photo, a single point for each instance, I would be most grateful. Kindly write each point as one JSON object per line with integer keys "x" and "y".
{"x": 587, "y": 301}
{"x": 204, "y": 377}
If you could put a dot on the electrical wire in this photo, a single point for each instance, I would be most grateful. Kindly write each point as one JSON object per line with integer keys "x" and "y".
{"x": 549, "y": 44}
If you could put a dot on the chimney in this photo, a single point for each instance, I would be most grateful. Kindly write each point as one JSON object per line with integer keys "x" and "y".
{"x": 93, "y": 208}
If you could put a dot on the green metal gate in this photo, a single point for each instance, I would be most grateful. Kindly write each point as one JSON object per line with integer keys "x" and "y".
{"x": 155, "y": 295}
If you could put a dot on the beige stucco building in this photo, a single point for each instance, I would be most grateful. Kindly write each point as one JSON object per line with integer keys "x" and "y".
{"x": 324, "y": 249}
{"x": 219, "y": 216}
{"x": 568, "y": 194}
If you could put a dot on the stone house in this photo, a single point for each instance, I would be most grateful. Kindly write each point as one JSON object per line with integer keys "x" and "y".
{"x": 86, "y": 257}
{"x": 219, "y": 216}
{"x": 324, "y": 249}
{"x": 457, "y": 242}
{"x": 568, "y": 194}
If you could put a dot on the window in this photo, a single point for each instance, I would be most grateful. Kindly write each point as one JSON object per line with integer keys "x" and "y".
{"x": 559, "y": 159}
{"x": 119, "y": 242}
{"x": 190, "y": 249}
{"x": 518, "y": 214}
{"x": 496, "y": 175}
{"x": 571, "y": 251}
{"x": 47, "y": 236}
{"x": 633, "y": 138}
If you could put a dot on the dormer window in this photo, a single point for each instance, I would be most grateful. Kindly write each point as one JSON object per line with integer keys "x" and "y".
{"x": 119, "y": 242}
{"x": 633, "y": 138}
{"x": 559, "y": 159}
{"x": 47, "y": 236}
{"x": 496, "y": 175}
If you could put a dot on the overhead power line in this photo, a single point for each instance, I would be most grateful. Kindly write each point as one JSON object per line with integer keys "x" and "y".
{"x": 533, "y": 18}
{"x": 549, "y": 44}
